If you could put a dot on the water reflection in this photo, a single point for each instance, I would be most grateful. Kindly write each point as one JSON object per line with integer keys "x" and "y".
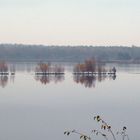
{"x": 46, "y": 79}
{"x": 12, "y": 78}
{"x": 4, "y": 80}
{"x": 90, "y": 81}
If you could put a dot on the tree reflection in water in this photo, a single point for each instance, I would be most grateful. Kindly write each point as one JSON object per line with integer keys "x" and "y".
{"x": 90, "y": 81}
{"x": 12, "y": 78}
{"x": 46, "y": 79}
{"x": 3, "y": 80}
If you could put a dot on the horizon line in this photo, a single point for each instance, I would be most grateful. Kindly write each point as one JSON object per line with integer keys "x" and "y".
{"x": 58, "y": 45}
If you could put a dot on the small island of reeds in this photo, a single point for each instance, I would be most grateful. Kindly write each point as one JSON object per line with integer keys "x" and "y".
{"x": 48, "y": 69}
{"x": 5, "y": 69}
{"x": 93, "y": 67}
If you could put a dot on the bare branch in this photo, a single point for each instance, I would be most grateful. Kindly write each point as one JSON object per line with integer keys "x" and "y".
{"x": 105, "y": 125}
{"x": 82, "y": 136}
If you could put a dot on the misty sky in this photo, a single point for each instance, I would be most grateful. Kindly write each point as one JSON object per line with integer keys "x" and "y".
{"x": 70, "y": 22}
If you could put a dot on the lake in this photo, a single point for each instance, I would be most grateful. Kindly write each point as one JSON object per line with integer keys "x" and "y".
{"x": 42, "y": 108}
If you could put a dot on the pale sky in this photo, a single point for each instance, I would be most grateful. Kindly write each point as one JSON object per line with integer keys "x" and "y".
{"x": 70, "y": 22}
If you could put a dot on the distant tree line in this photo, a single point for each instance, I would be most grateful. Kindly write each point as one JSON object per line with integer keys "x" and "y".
{"x": 13, "y": 52}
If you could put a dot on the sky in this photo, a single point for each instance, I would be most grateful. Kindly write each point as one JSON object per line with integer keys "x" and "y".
{"x": 70, "y": 22}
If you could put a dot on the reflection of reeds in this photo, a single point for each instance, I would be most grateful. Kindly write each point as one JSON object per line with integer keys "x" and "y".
{"x": 12, "y": 78}
{"x": 45, "y": 79}
{"x": 87, "y": 81}
{"x": 90, "y": 80}
{"x": 3, "y": 80}
{"x": 58, "y": 78}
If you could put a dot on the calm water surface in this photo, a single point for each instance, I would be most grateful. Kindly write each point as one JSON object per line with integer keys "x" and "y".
{"x": 42, "y": 108}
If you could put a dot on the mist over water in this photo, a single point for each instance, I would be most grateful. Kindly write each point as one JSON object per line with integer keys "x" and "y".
{"x": 43, "y": 107}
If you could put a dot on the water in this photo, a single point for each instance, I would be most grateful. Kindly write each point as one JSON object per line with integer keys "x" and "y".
{"x": 38, "y": 108}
